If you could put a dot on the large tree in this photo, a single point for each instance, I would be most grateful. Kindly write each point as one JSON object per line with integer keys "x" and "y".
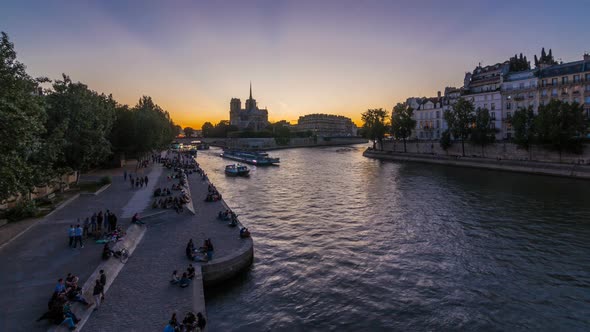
{"x": 207, "y": 129}
{"x": 523, "y": 123}
{"x": 562, "y": 126}
{"x": 22, "y": 119}
{"x": 460, "y": 120}
{"x": 86, "y": 119}
{"x": 188, "y": 131}
{"x": 402, "y": 122}
{"x": 375, "y": 125}
{"x": 483, "y": 132}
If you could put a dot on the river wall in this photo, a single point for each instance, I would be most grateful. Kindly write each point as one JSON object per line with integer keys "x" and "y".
{"x": 579, "y": 171}
{"x": 498, "y": 150}
{"x": 269, "y": 143}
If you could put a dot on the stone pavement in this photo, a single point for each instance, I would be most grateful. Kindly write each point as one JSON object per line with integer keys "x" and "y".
{"x": 32, "y": 263}
{"x": 141, "y": 298}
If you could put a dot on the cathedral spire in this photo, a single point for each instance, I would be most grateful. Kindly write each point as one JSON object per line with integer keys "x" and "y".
{"x": 250, "y": 89}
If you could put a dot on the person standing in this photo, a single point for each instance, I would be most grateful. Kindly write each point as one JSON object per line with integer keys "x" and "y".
{"x": 146, "y": 180}
{"x": 78, "y": 236}
{"x": 98, "y": 294}
{"x": 86, "y": 227}
{"x": 72, "y": 235}
{"x": 131, "y": 181}
{"x": 93, "y": 223}
{"x": 113, "y": 221}
{"x": 107, "y": 222}
{"x": 125, "y": 175}
{"x": 103, "y": 278}
{"x": 99, "y": 221}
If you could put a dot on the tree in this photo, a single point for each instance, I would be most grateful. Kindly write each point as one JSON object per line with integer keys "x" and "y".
{"x": 375, "y": 125}
{"x": 445, "y": 140}
{"x": 21, "y": 124}
{"x": 402, "y": 122}
{"x": 483, "y": 133}
{"x": 86, "y": 119}
{"x": 523, "y": 122}
{"x": 207, "y": 129}
{"x": 188, "y": 131}
{"x": 460, "y": 119}
{"x": 562, "y": 126}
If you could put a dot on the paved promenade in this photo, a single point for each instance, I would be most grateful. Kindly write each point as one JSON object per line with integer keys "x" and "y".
{"x": 142, "y": 298}
{"x": 32, "y": 263}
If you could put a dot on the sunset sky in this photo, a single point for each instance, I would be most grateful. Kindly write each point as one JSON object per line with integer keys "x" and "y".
{"x": 336, "y": 57}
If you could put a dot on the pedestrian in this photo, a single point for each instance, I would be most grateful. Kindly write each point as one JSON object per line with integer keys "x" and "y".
{"x": 71, "y": 235}
{"x": 113, "y": 221}
{"x": 106, "y": 221}
{"x": 141, "y": 182}
{"x": 146, "y": 180}
{"x": 136, "y": 183}
{"x": 78, "y": 236}
{"x": 98, "y": 294}
{"x": 103, "y": 278}
{"x": 125, "y": 175}
{"x": 131, "y": 181}
{"x": 99, "y": 219}
{"x": 86, "y": 227}
{"x": 201, "y": 322}
{"x": 93, "y": 223}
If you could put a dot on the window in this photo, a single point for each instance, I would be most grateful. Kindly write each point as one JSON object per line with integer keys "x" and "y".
{"x": 554, "y": 92}
{"x": 587, "y": 77}
{"x": 587, "y": 100}
{"x": 544, "y": 83}
{"x": 508, "y": 106}
{"x": 588, "y": 87}
{"x": 554, "y": 81}
{"x": 576, "y": 100}
{"x": 521, "y": 86}
{"x": 437, "y": 124}
{"x": 438, "y": 114}
{"x": 493, "y": 125}
{"x": 493, "y": 106}
{"x": 485, "y": 106}
{"x": 508, "y": 115}
{"x": 544, "y": 93}
{"x": 576, "y": 78}
{"x": 564, "y": 80}
{"x": 493, "y": 115}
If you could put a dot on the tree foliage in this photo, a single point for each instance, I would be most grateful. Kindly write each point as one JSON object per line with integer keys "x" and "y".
{"x": 21, "y": 124}
{"x": 523, "y": 123}
{"x": 402, "y": 122}
{"x": 460, "y": 120}
{"x": 561, "y": 125}
{"x": 375, "y": 125}
{"x": 445, "y": 140}
{"x": 483, "y": 133}
{"x": 189, "y": 131}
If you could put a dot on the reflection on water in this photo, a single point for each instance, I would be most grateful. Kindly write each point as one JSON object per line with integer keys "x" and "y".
{"x": 344, "y": 242}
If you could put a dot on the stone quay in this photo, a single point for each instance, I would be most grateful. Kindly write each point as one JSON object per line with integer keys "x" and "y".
{"x": 138, "y": 294}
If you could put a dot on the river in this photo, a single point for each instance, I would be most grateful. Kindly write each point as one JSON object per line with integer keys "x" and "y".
{"x": 343, "y": 242}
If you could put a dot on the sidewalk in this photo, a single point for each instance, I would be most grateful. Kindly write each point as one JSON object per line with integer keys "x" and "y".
{"x": 32, "y": 263}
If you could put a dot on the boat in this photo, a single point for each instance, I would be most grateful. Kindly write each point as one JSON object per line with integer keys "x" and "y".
{"x": 200, "y": 145}
{"x": 237, "y": 170}
{"x": 253, "y": 158}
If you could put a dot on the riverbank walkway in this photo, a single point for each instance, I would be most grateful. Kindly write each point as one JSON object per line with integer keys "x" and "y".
{"x": 139, "y": 296}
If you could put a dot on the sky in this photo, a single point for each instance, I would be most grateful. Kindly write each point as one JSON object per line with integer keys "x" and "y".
{"x": 335, "y": 57}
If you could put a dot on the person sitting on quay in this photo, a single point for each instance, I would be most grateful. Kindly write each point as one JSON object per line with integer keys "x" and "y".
{"x": 244, "y": 232}
{"x": 175, "y": 279}
{"x": 201, "y": 322}
{"x": 157, "y": 192}
{"x": 189, "y": 322}
{"x": 190, "y": 250}
{"x": 184, "y": 281}
{"x": 233, "y": 222}
{"x": 190, "y": 271}
{"x": 71, "y": 281}
{"x": 136, "y": 220}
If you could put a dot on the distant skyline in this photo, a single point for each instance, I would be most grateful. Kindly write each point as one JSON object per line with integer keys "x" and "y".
{"x": 335, "y": 57}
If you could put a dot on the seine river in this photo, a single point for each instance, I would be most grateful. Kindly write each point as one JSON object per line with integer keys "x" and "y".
{"x": 344, "y": 243}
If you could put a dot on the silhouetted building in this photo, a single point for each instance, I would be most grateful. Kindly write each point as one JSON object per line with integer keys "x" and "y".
{"x": 249, "y": 118}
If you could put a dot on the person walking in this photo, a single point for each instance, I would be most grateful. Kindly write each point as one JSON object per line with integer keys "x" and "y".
{"x": 103, "y": 278}
{"x": 131, "y": 181}
{"x": 93, "y": 223}
{"x": 71, "y": 235}
{"x": 86, "y": 227}
{"x": 78, "y": 236}
{"x": 125, "y": 175}
{"x": 146, "y": 180}
{"x": 98, "y": 294}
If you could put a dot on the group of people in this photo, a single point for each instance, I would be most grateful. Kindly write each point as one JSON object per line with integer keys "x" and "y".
{"x": 64, "y": 294}
{"x": 190, "y": 323}
{"x": 213, "y": 194}
{"x": 202, "y": 254}
{"x": 96, "y": 225}
{"x": 228, "y": 215}
{"x": 186, "y": 277}
{"x": 138, "y": 182}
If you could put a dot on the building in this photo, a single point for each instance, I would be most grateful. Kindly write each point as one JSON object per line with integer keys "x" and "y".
{"x": 249, "y": 118}
{"x": 429, "y": 113}
{"x": 519, "y": 91}
{"x": 327, "y": 125}
{"x": 568, "y": 82}
{"x": 483, "y": 88}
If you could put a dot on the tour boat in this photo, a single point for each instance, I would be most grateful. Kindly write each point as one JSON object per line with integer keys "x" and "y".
{"x": 253, "y": 158}
{"x": 237, "y": 170}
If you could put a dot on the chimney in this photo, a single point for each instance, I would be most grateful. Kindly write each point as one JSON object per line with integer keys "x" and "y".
{"x": 439, "y": 94}
{"x": 586, "y": 57}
